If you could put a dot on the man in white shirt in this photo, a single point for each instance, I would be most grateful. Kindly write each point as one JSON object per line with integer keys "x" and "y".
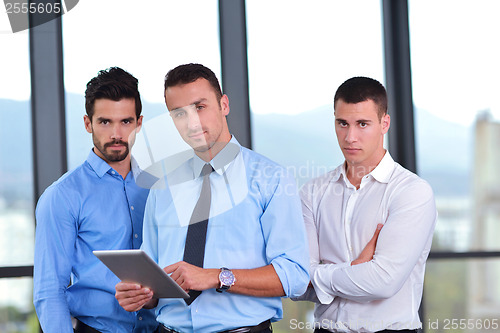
{"x": 359, "y": 287}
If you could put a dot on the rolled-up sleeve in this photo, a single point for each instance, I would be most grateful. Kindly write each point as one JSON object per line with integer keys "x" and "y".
{"x": 285, "y": 236}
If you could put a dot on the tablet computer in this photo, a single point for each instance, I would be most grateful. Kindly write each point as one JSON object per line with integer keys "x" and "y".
{"x": 136, "y": 266}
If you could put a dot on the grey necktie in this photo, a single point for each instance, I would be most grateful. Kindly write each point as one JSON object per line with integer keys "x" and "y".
{"x": 194, "y": 250}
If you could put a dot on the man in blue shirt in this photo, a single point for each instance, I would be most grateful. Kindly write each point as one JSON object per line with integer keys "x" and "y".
{"x": 96, "y": 206}
{"x": 255, "y": 250}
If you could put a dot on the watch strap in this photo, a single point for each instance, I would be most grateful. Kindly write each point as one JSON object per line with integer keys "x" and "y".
{"x": 223, "y": 287}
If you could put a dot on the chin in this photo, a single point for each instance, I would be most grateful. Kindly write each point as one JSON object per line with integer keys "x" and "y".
{"x": 201, "y": 148}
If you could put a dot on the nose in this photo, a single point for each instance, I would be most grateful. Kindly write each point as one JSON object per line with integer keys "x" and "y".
{"x": 194, "y": 122}
{"x": 117, "y": 133}
{"x": 351, "y": 136}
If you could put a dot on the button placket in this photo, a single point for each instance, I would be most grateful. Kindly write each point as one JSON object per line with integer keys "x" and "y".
{"x": 349, "y": 210}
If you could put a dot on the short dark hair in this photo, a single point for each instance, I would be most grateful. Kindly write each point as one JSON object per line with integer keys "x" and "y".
{"x": 360, "y": 89}
{"x": 115, "y": 84}
{"x": 189, "y": 73}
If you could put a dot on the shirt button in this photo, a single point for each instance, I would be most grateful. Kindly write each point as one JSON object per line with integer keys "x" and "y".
{"x": 113, "y": 172}
{"x": 132, "y": 207}
{"x": 140, "y": 318}
{"x": 136, "y": 236}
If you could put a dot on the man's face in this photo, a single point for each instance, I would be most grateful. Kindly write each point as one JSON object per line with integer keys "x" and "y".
{"x": 198, "y": 115}
{"x": 360, "y": 133}
{"x": 113, "y": 127}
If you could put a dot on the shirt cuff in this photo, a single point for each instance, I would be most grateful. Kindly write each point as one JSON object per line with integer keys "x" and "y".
{"x": 322, "y": 281}
{"x": 309, "y": 295}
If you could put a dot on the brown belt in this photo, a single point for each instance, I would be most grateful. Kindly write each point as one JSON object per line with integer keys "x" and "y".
{"x": 246, "y": 329}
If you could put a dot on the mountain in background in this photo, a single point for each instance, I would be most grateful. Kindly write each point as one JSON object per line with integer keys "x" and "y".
{"x": 16, "y": 157}
{"x": 304, "y": 142}
{"x": 444, "y": 149}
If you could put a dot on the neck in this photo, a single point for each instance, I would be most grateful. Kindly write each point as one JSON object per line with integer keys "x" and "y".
{"x": 356, "y": 172}
{"x": 122, "y": 167}
{"x": 209, "y": 154}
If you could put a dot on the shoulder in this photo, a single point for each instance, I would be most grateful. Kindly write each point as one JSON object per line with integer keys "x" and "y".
{"x": 260, "y": 167}
{"x": 67, "y": 184}
{"x": 319, "y": 184}
{"x": 251, "y": 157}
{"x": 403, "y": 180}
{"x": 267, "y": 177}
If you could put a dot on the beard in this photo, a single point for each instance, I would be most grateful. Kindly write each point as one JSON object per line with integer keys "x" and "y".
{"x": 112, "y": 156}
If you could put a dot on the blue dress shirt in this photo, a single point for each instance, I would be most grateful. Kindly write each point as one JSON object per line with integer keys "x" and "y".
{"x": 89, "y": 208}
{"x": 255, "y": 220}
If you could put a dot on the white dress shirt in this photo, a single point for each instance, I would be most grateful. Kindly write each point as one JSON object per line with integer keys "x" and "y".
{"x": 384, "y": 293}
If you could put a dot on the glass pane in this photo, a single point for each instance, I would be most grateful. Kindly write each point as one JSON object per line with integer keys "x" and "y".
{"x": 469, "y": 301}
{"x": 299, "y": 52}
{"x": 297, "y": 317}
{"x": 17, "y": 224}
{"x": 145, "y": 38}
{"x": 454, "y": 71}
{"x": 17, "y": 313}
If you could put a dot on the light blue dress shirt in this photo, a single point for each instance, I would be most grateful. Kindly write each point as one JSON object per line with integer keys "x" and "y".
{"x": 89, "y": 208}
{"x": 255, "y": 220}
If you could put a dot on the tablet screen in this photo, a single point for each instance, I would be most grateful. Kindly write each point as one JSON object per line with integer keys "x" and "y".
{"x": 136, "y": 266}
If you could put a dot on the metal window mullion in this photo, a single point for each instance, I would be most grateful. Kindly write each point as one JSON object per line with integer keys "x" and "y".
{"x": 234, "y": 64}
{"x": 398, "y": 82}
{"x": 47, "y": 103}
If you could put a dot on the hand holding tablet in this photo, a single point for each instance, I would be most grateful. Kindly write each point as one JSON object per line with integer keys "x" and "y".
{"x": 136, "y": 266}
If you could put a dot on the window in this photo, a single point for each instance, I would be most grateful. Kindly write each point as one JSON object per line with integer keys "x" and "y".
{"x": 298, "y": 55}
{"x": 457, "y": 114}
{"x": 146, "y": 39}
{"x": 17, "y": 226}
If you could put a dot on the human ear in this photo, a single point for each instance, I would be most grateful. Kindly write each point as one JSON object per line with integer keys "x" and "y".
{"x": 224, "y": 104}
{"x": 386, "y": 123}
{"x": 88, "y": 123}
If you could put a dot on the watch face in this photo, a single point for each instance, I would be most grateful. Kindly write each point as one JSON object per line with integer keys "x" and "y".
{"x": 226, "y": 278}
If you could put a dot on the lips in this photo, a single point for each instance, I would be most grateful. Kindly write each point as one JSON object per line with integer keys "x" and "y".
{"x": 198, "y": 135}
{"x": 116, "y": 145}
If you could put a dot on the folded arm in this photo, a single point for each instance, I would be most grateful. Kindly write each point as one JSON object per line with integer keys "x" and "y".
{"x": 404, "y": 240}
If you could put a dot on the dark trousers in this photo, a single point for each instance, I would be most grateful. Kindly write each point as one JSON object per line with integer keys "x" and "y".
{"x": 162, "y": 329}
{"x": 264, "y": 327}
{"x": 322, "y": 330}
{"x": 83, "y": 328}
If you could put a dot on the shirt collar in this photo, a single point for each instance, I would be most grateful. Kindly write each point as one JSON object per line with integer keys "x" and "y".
{"x": 221, "y": 160}
{"x": 97, "y": 164}
{"x": 339, "y": 171}
{"x": 382, "y": 173}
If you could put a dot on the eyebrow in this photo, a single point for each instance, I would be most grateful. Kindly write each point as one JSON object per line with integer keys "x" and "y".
{"x": 201, "y": 100}
{"x": 340, "y": 120}
{"x": 131, "y": 119}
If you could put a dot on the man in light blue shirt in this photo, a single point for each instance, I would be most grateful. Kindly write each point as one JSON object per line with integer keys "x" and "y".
{"x": 96, "y": 206}
{"x": 255, "y": 252}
